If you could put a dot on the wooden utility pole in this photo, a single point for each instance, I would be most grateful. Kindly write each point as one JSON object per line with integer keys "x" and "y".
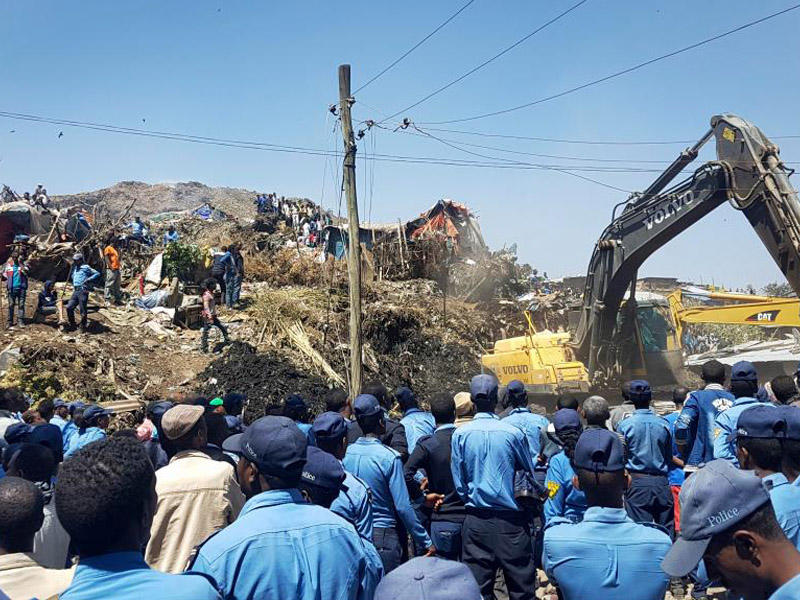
{"x": 354, "y": 245}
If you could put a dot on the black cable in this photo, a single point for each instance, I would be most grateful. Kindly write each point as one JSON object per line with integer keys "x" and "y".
{"x": 618, "y": 73}
{"x": 486, "y": 62}
{"x": 417, "y": 45}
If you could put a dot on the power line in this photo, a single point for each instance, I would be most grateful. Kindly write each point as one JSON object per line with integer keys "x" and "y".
{"x": 417, "y": 45}
{"x": 618, "y": 73}
{"x": 486, "y": 62}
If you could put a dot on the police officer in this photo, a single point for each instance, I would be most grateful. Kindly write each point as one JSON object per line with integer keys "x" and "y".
{"x": 607, "y": 555}
{"x": 790, "y": 446}
{"x": 759, "y": 434}
{"x": 296, "y": 409}
{"x": 323, "y": 480}
{"x": 354, "y": 501}
{"x": 433, "y": 455}
{"x": 394, "y": 435}
{"x": 744, "y": 386}
{"x": 694, "y": 430}
{"x": 521, "y": 417}
{"x": 417, "y": 422}
{"x": 563, "y": 499}
{"x": 729, "y": 520}
{"x": 649, "y": 443}
{"x": 486, "y": 453}
{"x": 431, "y": 579}
{"x": 290, "y": 548}
{"x": 380, "y": 467}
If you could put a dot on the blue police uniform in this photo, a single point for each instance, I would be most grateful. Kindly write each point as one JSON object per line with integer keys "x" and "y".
{"x": 418, "y": 424}
{"x": 648, "y": 439}
{"x": 726, "y": 424}
{"x": 606, "y": 557}
{"x": 695, "y": 425}
{"x": 83, "y": 437}
{"x": 291, "y": 549}
{"x": 68, "y": 430}
{"x": 531, "y": 425}
{"x": 786, "y": 502}
{"x": 486, "y": 454}
{"x": 355, "y": 505}
{"x": 676, "y": 475}
{"x": 306, "y": 429}
{"x": 125, "y": 575}
{"x": 563, "y": 500}
{"x": 381, "y": 469}
{"x": 788, "y": 591}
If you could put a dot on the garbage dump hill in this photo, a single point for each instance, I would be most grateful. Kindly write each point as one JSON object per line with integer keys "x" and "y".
{"x": 435, "y": 299}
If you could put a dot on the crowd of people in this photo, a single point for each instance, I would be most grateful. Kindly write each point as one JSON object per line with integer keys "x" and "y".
{"x": 379, "y": 498}
{"x": 307, "y": 219}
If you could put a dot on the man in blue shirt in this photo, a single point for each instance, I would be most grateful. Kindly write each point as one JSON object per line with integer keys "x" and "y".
{"x": 486, "y": 454}
{"x": 354, "y": 502}
{"x": 648, "y": 440}
{"x": 694, "y": 430}
{"x": 46, "y": 433}
{"x": 395, "y": 434}
{"x": 729, "y": 523}
{"x": 82, "y": 277}
{"x": 563, "y": 498}
{"x": 520, "y": 416}
{"x": 790, "y": 447}
{"x": 95, "y": 421}
{"x": 323, "y": 480}
{"x": 759, "y": 435}
{"x": 380, "y": 467}
{"x": 171, "y": 236}
{"x": 296, "y": 409}
{"x": 676, "y": 475}
{"x": 607, "y": 555}
{"x": 105, "y": 500}
{"x": 744, "y": 386}
{"x": 417, "y": 422}
{"x": 281, "y": 546}
{"x": 61, "y": 420}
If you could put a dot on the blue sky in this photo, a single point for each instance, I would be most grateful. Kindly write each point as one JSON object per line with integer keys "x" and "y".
{"x": 266, "y": 71}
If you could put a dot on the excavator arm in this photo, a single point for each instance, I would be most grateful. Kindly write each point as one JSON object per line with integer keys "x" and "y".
{"x": 748, "y": 174}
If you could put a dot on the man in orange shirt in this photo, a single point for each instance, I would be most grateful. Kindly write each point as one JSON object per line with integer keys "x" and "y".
{"x": 111, "y": 255}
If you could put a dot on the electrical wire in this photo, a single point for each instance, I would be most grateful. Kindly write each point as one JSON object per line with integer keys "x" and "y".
{"x": 417, "y": 45}
{"x": 488, "y": 61}
{"x": 616, "y": 74}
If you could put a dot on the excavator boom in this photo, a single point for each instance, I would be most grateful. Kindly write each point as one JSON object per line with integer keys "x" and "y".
{"x": 748, "y": 173}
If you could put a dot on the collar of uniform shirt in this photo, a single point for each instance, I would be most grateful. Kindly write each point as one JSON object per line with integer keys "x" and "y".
{"x": 368, "y": 439}
{"x": 644, "y": 411}
{"x": 485, "y": 415}
{"x": 520, "y": 409}
{"x": 605, "y": 514}
{"x": 115, "y": 561}
{"x": 273, "y": 498}
{"x": 774, "y": 480}
{"x": 445, "y": 426}
{"x": 714, "y": 386}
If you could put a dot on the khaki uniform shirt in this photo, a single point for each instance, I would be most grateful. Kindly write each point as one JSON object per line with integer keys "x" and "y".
{"x": 197, "y": 496}
{"x": 22, "y": 578}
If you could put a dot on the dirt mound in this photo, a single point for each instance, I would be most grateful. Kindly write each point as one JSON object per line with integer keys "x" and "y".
{"x": 266, "y": 379}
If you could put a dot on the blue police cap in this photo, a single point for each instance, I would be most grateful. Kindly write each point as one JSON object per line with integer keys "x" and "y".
{"x": 760, "y": 421}
{"x": 17, "y": 433}
{"x": 714, "y": 499}
{"x": 296, "y": 401}
{"x": 329, "y": 426}
{"x": 322, "y": 470}
{"x": 94, "y": 412}
{"x": 744, "y": 370}
{"x": 366, "y": 405}
{"x": 274, "y": 444}
{"x": 58, "y": 403}
{"x": 791, "y": 414}
{"x": 77, "y": 405}
{"x": 566, "y": 418}
{"x": 599, "y": 450}
{"x": 429, "y": 578}
{"x": 515, "y": 388}
{"x": 159, "y": 408}
{"x": 404, "y": 396}
{"x": 640, "y": 390}
{"x": 483, "y": 386}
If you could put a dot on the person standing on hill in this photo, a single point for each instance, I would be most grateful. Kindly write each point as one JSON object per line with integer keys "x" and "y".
{"x": 113, "y": 277}
{"x": 210, "y": 318}
{"x": 15, "y": 274}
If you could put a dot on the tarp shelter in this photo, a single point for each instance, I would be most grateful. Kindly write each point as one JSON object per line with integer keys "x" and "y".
{"x": 336, "y": 237}
{"x": 209, "y": 213}
{"x": 20, "y": 218}
{"x": 453, "y": 221}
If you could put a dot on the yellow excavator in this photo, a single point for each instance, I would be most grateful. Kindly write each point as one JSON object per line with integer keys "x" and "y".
{"x": 619, "y": 336}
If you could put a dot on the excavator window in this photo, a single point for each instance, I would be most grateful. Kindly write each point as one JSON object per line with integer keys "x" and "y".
{"x": 654, "y": 328}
